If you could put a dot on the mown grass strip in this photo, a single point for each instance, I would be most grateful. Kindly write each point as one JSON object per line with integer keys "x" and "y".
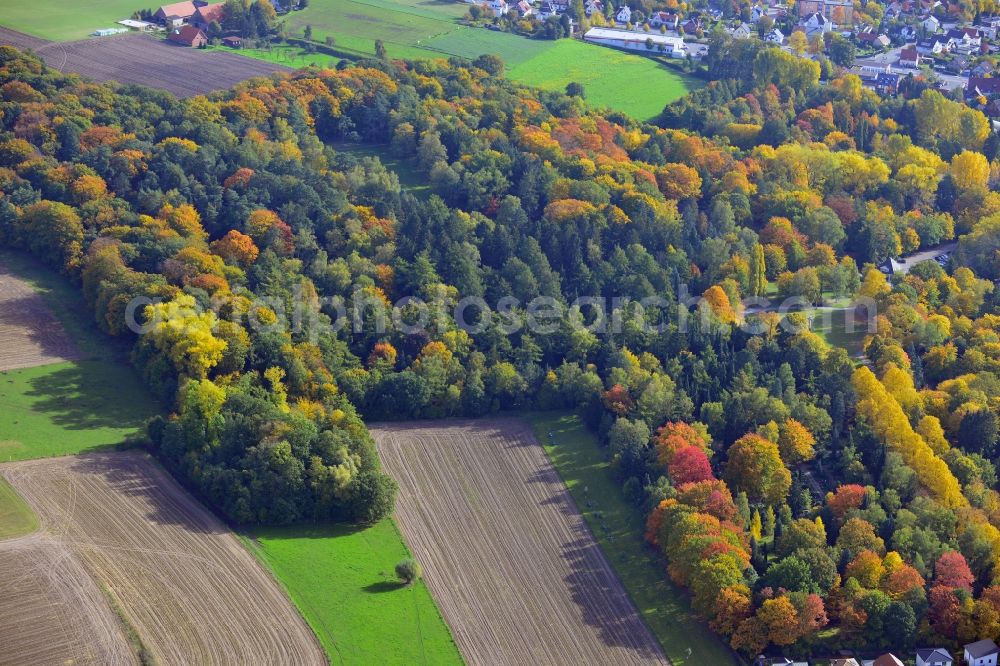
{"x": 618, "y": 528}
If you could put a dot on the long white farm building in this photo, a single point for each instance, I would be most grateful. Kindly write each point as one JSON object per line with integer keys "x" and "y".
{"x": 638, "y": 41}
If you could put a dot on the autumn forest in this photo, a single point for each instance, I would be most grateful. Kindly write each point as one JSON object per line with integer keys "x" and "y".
{"x": 806, "y": 497}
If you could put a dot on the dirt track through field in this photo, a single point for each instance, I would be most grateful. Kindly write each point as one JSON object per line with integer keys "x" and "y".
{"x": 185, "y": 583}
{"x": 145, "y": 60}
{"x": 30, "y": 333}
{"x": 506, "y": 554}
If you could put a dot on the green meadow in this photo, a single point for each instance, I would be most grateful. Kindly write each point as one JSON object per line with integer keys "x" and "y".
{"x": 618, "y": 527}
{"x": 410, "y": 29}
{"x": 63, "y": 20}
{"x": 633, "y": 84}
{"x": 415, "y": 29}
{"x": 73, "y": 406}
{"x": 342, "y": 580}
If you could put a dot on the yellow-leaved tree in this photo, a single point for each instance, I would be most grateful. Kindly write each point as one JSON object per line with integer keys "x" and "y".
{"x": 184, "y": 334}
{"x": 890, "y": 424}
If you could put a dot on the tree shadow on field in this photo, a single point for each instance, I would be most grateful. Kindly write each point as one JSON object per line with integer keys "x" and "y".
{"x": 84, "y": 395}
{"x": 30, "y": 315}
{"x": 603, "y": 602}
{"x": 136, "y": 476}
{"x": 384, "y": 586}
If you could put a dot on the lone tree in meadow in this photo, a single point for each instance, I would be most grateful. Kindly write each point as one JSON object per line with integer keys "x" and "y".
{"x": 408, "y": 571}
{"x": 574, "y": 89}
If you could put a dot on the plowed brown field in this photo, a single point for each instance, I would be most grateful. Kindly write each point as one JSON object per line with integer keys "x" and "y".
{"x": 51, "y": 611}
{"x": 505, "y": 552}
{"x": 31, "y": 335}
{"x": 190, "y": 590}
{"x": 145, "y": 60}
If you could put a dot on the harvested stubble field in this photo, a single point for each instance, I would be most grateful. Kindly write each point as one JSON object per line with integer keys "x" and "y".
{"x": 31, "y": 334}
{"x": 506, "y": 554}
{"x": 51, "y": 611}
{"x": 145, "y": 60}
{"x": 184, "y": 583}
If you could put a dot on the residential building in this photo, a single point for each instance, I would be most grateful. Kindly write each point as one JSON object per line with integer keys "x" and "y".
{"x": 592, "y": 7}
{"x": 958, "y": 64}
{"x": 983, "y": 69}
{"x": 909, "y": 57}
{"x": 233, "y": 42}
{"x": 499, "y": 7}
{"x": 668, "y": 19}
{"x": 775, "y": 37}
{"x": 931, "y": 24}
{"x": 546, "y": 10}
{"x": 886, "y": 84}
{"x": 976, "y": 87}
{"x": 176, "y": 14}
{"x": 873, "y": 40}
{"x": 741, "y": 31}
{"x": 965, "y": 40}
{"x": 624, "y": 14}
{"x": 888, "y": 659}
{"x": 838, "y": 11}
{"x": 933, "y": 46}
{"x": 785, "y": 661}
{"x": 524, "y": 9}
{"x": 691, "y": 26}
{"x": 844, "y": 661}
{"x": 817, "y": 22}
{"x": 982, "y": 653}
{"x": 934, "y": 657}
{"x": 188, "y": 35}
{"x": 206, "y": 15}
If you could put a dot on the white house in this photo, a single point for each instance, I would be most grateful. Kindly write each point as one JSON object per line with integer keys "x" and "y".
{"x": 785, "y": 661}
{"x": 964, "y": 40}
{"x": 638, "y": 41}
{"x": 593, "y": 6}
{"x": 816, "y": 22}
{"x": 668, "y": 19}
{"x": 931, "y": 24}
{"x": 933, "y": 46}
{"x": 934, "y": 657}
{"x": 982, "y": 653}
{"x": 524, "y": 8}
{"x": 775, "y": 37}
{"x": 742, "y": 31}
{"x": 624, "y": 14}
{"x": 546, "y": 10}
{"x": 499, "y": 7}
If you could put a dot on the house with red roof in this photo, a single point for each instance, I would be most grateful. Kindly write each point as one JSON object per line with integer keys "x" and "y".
{"x": 188, "y": 35}
{"x": 208, "y": 14}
